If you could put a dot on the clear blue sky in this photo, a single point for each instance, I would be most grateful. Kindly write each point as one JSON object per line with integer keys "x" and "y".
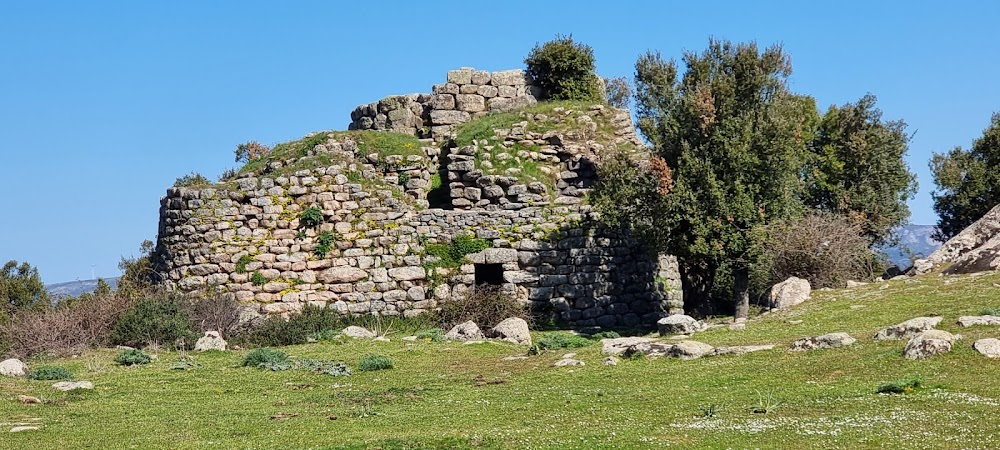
{"x": 103, "y": 104}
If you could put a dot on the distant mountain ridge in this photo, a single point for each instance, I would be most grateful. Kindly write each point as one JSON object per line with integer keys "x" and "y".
{"x": 914, "y": 240}
{"x": 75, "y": 288}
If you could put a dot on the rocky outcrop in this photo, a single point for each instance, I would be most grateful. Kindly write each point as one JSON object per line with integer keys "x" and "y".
{"x": 210, "y": 341}
{"x": 830, "y": 340}
{"x": 678, "y": 324}
{"x": 514, "y": 329}
{"x": 789, "y": 293}
{"x": 13, "y": 368}
{"x": 465, "y": 331}
{"x": 988, "y": 347}
{"x": 975, "y": 249}
{"x": 908, "y": 328}
{"x": 971, "y": 321}
{"x": 928, "y": 343}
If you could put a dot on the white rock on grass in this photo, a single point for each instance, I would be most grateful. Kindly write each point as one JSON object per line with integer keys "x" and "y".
{"x": 73, "y": 385}
{"x": 738, "y": 350}
{"x": 212, "y": 340}
{"x": 611, "y": 361}
{"x": 618, "y": 346}
{"x": 789, "y": 293}
{"x": 691, "y": 350}
{"x": 514, "y": 330}
{"x": 569, "y": 362}
{"x": 971, "y": 321}
{"x": 678, "y": 324}
{"x": 465, "y": 331}
{"x": 21, "y": 428}
{"x": 829, "y": 340}
{"x": 13, "y": 368}
{"x": 908, "y": 329}
{"x": 928, "y": 343}
{"x": 989, "y": 347}
{"x": 357, "y": 332}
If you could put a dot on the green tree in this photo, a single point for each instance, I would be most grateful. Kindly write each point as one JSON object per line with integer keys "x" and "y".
{"x": 564, "y": 69}
{"x": 857, "y": 168}
{"x": 21, "y": 288}
{"x": 733, "y": 140}
{"x": 138, "y": 276}
{"x": 968, "y": 182}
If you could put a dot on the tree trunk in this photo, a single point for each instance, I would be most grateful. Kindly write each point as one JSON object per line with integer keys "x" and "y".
{"x": 696, "y": 285}
{"x": 741, "y": 291}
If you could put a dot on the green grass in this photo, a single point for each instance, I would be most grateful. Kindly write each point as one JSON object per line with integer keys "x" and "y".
{"x": 382, "y": 143}
{"x": 449, "y": 395}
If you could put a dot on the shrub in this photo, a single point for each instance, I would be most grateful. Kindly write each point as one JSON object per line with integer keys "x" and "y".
{"x": 618, "y": 92}
{"x": 50, "y": 373}
{"x": 904, "y": 386}
{"x": 311, "y": 217}
{"x": 132, "y": 357}
{"x": 257, "y": 279}
{"x": 334, "y": 368}
{"x": 564, "y": 69}
{"x": 138, "y": 277}
{"x": 432, "y": 335}
{"x": 73, "y": 325}
{"x": 241, "y": 264}
{"x": 323, "y": 244}
{"x": 193, "y": 179}
{"x": 453, "y": 253}
{"x": 992, "y": 311}
{"x": 276, "y": 331}
{"x": 267, "y": 358}
{"x": 250, "y": 150}
{"x": 558, "y": 340}
{"x": 372, "y": 363}
{"x": 215, "y": 313}
{"x": 161, "y": 319}
{"x": 824, "y": 248}
{"x": 605, "y": 335}
{"x": 482, "y": 305}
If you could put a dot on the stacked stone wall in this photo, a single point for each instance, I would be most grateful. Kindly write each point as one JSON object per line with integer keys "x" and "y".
{"x": 467, "y": 94}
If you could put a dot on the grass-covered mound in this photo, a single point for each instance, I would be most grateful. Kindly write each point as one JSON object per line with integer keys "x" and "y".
{"x": 325, "y": 148}
{"x": 449, "y": 395}
{"x": 575, "y": 120}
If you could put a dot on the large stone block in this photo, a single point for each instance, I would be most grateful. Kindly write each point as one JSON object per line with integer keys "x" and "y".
{"x": 449, "y": 117}
{"x": 460, "y": 76}
{"x": 515, "y": 77}
{"x": 342, "y": 275}
{"x": 470, "y": 102}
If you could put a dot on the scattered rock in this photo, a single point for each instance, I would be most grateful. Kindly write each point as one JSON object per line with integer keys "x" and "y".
{"x": 465, "y": 331}
{"x": 651, "y": 348}
{"x": 794, "y": 322}
{"x": 908, "y": 329}
{"x": 741, "y": 349}
{"x": 789, "y": 293}
{"x": 971, "y": 321}
{"x": 678, "y": 324}
{"x": 569, "y": 362}
{"x": 989, "y": 347}
{"x": 928, "y": 343}
{"x": 569, "y": 356}
{"x": 618, "y": 346}
{"x": 610, "y": 361}
{"x": 476, "y": 342}
{"x": 357, "y": 332}
{"x": 853, "y": 284}
{"x": 21, "y": 428}
{"x": 830, "y": 340}
{"x": 738, "y": 325}
{"x": 28, "y": 400}
{"x": 210, "y": 341}
{"x": 13, "y": 368}
{"x": 513, "y": 358}
{"x": 72, "y": 385}
{"x": 381, "y": 339}
{"x": 691, "y": 350}
{"x": 974, "y": 249}
{"x": 409, "y": 338}
{"x": 514, "y": 330}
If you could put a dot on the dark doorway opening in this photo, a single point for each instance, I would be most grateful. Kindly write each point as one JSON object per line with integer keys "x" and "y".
{"x": 488, "y": 275}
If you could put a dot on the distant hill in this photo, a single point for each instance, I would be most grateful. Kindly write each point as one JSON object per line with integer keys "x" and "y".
{"x": 915, "y": 238}
{"x": 75, "y": 288}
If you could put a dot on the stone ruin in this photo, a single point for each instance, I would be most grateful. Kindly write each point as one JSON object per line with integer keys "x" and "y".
{"x": 522, "y": 189}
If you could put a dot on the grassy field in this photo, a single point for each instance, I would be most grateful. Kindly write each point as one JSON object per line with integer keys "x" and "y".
{"x": 449, "y": 395}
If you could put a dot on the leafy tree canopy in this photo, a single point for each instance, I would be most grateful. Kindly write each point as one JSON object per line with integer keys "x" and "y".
{"x": 968, "y": 182}
{"x": 21, "y": 288}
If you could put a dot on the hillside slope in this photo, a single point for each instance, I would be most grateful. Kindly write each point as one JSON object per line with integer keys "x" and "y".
{"x": 449, "y": 395}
